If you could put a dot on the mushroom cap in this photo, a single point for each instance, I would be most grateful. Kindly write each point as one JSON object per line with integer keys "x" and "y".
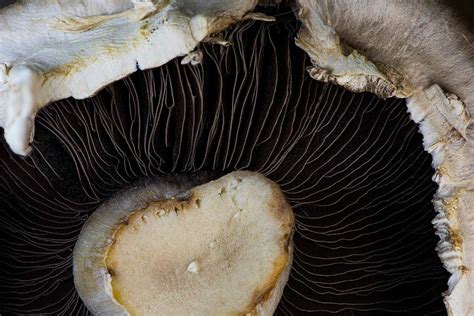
{"x": 73, "y": 48}
{"x": 224, "y": 247}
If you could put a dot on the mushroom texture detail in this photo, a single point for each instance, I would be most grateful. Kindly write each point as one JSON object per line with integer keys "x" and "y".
{"x": 390, "y": 49}
{"x": 405, "y": 55}
{"x": 231, "y": 254}
{"x": 109, "y": 39}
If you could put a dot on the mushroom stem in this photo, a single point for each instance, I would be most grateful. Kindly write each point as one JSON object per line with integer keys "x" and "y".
{"x": 222, "y": 248}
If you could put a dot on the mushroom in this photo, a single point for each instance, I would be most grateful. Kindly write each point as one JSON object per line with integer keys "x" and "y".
{"x": 221, "y": 248}
{"x": 227, "y": 89}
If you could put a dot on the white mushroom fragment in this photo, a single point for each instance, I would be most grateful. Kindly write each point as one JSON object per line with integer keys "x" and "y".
{"x": 72, "y": 48}
{"x": 188, "y": 253}
{"x": 454, "y": 164}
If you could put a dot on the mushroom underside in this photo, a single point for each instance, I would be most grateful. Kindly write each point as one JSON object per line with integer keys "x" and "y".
{"x": 352, "y": 167}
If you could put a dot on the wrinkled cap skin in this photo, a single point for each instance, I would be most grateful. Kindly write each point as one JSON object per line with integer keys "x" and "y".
{"x": 419, "y": 50}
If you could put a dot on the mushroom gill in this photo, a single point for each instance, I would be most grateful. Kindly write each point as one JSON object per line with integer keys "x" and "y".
{"x": 352, "y": 166}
